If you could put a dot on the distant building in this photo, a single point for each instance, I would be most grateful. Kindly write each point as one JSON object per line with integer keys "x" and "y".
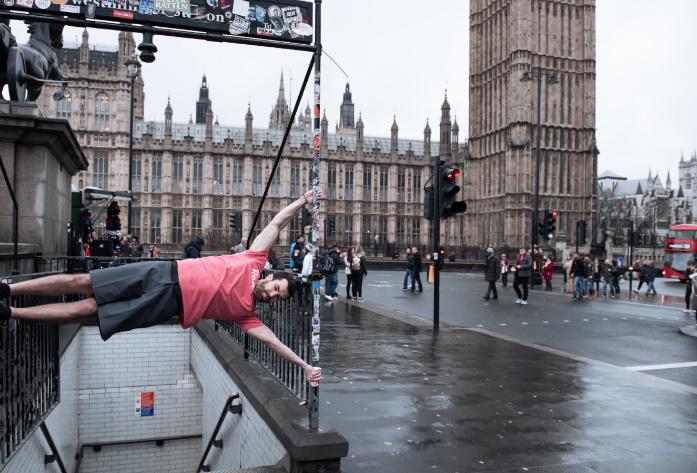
{"x": 187, "y": 177}
{"x": 646, "y": 205}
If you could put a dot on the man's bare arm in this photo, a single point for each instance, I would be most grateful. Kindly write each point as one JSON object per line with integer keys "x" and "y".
{"x": 268, "y": 338}
{"x": 264, "y": 241}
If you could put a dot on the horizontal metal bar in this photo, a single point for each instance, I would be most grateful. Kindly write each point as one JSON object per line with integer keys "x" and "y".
{"x": 157, "y": 30}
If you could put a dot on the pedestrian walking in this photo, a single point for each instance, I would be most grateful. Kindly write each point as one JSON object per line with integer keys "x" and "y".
{"x": 578, "y": 272}
{"x": 329, "y": 268}
{"x": 547, "y": 270}
{"x": 491, "y": 274}
{"x": 608, "y": 277}
{"x": 566, "y": 267}
{"x": 505, "y": 267}
{"x": 588, "y": 283}
{"x": 650, "y": 277}
{"x": 522, "y": 276}
{"x": 358, "y": 272}
{"x": 597, "y": 275}
{"x": 348, "y": 258}
{"x": 641, "y": 275}
{"x": 193, "y": 249}
{"x": 416, "y": 271}
{"x": 408, "y": 270}
{"x": 297, "y": 254}
{"x": 616, "y": 277}
{"x": 688, "y": 289}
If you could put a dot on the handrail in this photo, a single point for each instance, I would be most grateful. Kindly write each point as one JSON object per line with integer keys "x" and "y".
{"x": 159, "y": 441}
{"x": 212, "y": 442}
{"x": 55, "y": 454}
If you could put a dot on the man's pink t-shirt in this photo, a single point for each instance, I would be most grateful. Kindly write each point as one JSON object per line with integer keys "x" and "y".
{"x": 221, "y": 287}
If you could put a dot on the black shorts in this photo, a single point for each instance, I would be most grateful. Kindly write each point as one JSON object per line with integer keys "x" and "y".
{"x": 136, "y": 295}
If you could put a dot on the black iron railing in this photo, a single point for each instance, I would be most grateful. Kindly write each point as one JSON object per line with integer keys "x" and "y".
{"x": 213, "y": 441}
{"x": 29, "y": 373}
{"x": 290, "y": 320}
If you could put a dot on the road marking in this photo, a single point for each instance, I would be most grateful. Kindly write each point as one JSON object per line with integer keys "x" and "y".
{"x": 667, "y": 366}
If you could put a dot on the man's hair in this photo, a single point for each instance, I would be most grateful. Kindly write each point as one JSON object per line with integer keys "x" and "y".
{"x": 293, "y": 284}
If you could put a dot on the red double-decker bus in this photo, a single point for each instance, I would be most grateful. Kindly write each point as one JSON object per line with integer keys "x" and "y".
{"x": 680, "y": 247}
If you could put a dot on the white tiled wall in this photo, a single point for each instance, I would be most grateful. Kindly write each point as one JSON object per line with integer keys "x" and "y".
{"x": 112, "y": 373}
{"x": 62, "y": 423}
{"x": 247, "y": 440}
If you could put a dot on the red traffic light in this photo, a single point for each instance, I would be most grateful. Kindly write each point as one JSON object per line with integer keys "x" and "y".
{"x": 554, "y": 213}
{"x": 453, "y": 173}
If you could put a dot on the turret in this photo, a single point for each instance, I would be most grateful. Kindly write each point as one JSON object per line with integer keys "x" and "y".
{"x": 445, "y": 129}
{"x": 248, "y": 120}
{"x": 427, "y": 140}
{"x": 394, "y": 136}
{"x": 324, "y": 127}
{"x": 85, "y": 48}
{"x": 168, "y": 120}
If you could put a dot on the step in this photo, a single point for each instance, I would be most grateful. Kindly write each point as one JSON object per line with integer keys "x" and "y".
{"x": 256, "y": 469}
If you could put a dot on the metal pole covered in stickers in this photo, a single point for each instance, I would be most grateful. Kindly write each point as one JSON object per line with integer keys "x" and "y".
{"x": 314, "y": 240}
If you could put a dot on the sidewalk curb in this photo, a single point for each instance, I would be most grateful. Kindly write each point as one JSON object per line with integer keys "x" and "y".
{"x": 690, "y": 330}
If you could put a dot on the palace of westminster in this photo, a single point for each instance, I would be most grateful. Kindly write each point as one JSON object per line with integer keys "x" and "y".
{"x": 187, "y": 177}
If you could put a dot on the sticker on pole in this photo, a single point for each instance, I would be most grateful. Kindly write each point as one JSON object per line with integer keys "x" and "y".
{"x": 145, "y": 404}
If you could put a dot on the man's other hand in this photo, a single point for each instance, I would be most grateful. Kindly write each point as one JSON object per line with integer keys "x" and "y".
{"x": 313, "y": 375}
{"x": 308, "y": 196}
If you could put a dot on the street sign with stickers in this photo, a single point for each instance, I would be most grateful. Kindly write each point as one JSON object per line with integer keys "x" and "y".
{"x": 286, "y": 20}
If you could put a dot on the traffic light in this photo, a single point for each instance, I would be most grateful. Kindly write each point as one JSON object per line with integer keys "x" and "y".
{"x": 448, "y": 190}
{"x": 549, "y": 224}
{"x": 428, "y": 203}
{"x": 581, "y": 232}
{"x": 235, "y": 220}
{"x": 332, "y": 226}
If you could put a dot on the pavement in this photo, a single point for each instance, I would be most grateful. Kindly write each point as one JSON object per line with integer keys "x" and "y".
{"x": 494, "y": 399}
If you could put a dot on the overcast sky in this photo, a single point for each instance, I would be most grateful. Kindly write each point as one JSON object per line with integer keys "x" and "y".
{"x": 401, "y": 55}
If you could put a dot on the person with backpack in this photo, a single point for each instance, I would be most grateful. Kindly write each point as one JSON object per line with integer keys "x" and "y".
{"x": 297, "y": 254}
{"x": 416, "y": 271}
{"x": 329, "y": 267}
{"x": 348, "y": 258}
{"x": 608, "y": 276}
{"x": 650, "y": 277}
{"x": 193, "y": 249}
{"x": 358, "y": 272}
{"x": 491, "y": 274}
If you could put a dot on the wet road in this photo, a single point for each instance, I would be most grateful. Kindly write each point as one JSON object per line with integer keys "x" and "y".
{"x": 462, "y": 401}
{"x": 639, "y": 334}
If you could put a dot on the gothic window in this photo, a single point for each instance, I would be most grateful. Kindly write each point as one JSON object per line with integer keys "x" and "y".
{"x": 382, "y": 232}
{"x": 155, "y": 220}
{"x": 415, "y": 231}
{"x": 367, "y": 183}
{"x": 400, "y": 233}
{"x": 401, "y": 186}
{"x": 195, "y": 222}
{"x": 329, "y": 225}
{"x": 331, "y": 182}
{"x": 100, "y": 170}
{"x": 295, "y": 180}
{"x": 176, "y": 226}
{"x": 383, "y": 184}
{"x": 295, "y": 227}
{"x": 137, "y": 174}
{"x": 218, "y": 176}
{"x": 237, "y": 177}
{"x": 156, "y": 173}
{"x": 276, "y": 183}
{"x": 64, "y": 107}
{"x": 257, "y": 180}
{"x": 217, "y": 221}
{"x": 347, "y": 235}
{"x": 365, "y": 235}
{"x": 197, "y": 182}
{"x": 417, "y": 187}
{"x": 348, "y": 182}
{"x": 135, "y": 223}
{"x": 177, "y": 175}
{"x": 101, "y": 111}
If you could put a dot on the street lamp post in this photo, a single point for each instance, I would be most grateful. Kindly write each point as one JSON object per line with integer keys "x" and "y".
{"x": 133, "y": 69}
{"x": 538, "y": 74}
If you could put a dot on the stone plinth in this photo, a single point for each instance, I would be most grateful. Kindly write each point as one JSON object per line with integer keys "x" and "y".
{"x": 40, "y": 156}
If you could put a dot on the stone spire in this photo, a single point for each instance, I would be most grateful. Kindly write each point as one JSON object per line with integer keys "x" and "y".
{"x": 394, "y": 136}
{"x": 324, "y": 127}
{"x": 445, "y": 129}
{"x": 456, "y": 137}
{"x": 427, "y": 140}
{"x": 168, "y": 119}
{"x": 85, "y": 48}
{"x": 668, "y": 183}
{"x": 248, "y": 120}
{"x": 204, "y": 102}
{"x": 346, "y": 116}
{"x": 280, "y": 114}
{"x": 359, "y": 132}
